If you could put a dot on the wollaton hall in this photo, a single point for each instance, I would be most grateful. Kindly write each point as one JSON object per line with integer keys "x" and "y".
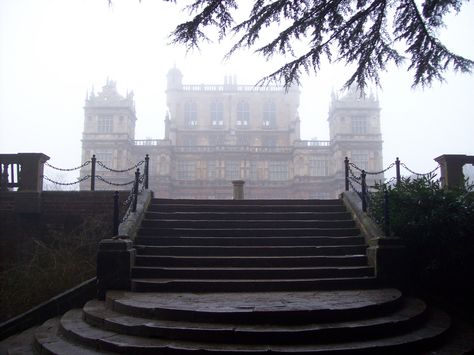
{"x": 218, "y": 133}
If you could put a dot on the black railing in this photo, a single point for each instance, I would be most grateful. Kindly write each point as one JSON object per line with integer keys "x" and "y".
{"x": 140, "y": 183}
{"x": 94, "y": 176}
{"x": 356, "y": 180}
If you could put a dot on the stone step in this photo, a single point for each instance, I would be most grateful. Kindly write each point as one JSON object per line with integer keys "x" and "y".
{"x": 49, "y": 340}
{"x": 226, "y": 224}
{"x": 251, "y": 273}
{"x": 251, "y": 285}
{"x": 259, "y": 202}
{"x": 251, "y": 250}
{"x": 249, "y": 232}
{"x": 408, "y": 315}
{"x": 246, "y": 261}
{"x": 77, "y": 330}
{"x": 231, "y": 215}
{"x": 289, "y": 307}
{"x": 248, "y": 241}
{"x": 245, "y": 208}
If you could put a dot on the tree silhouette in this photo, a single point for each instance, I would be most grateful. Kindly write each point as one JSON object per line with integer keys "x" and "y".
{"x": 369, "y": 34}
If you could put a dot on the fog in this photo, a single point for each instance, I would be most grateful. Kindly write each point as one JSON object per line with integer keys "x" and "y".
{"x": 52, "y": 52}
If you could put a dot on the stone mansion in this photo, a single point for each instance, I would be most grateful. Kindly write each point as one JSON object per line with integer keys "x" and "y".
{"x": 218, "y": 133}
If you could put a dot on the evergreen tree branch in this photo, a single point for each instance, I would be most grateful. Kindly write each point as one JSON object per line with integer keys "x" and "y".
{"x": 353, "y": 30}
{"x": 429, "y": 57}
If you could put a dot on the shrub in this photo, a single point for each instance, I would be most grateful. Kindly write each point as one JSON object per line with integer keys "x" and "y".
{"x": 53, "y": 263}
{"x": 437, "y": 226}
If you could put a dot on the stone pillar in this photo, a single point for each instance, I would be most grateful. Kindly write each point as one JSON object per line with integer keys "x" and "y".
{"x": 451, "y": 168}
{"x": 32, "y": 166}
{"x": 238, "y": 189}
{"x": 388, "y": 256}
{"x": 115, "y": 260}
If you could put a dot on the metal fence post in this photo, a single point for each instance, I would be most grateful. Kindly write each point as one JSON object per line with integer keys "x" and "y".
{"x": 147, "y": 162}
{"x": 93, "y": 160}
{"x": 397, "y": 166}
{"x": 116, "y": 213}
{"x": 364, "y": 191}
{"x": 386, "y": 213}
{"x": 346, "y": 167}
{"x": 135, "y": 190}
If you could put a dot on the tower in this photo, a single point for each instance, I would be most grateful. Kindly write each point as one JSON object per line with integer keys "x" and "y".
{"x": 354, "y": 129}
{"x": 109, "y": 129}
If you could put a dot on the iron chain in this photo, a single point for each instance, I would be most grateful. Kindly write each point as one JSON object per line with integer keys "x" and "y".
{"x": 67, "y": 183}
{"x": 72, "y": 169}
{"x": 354, "y": 177}
{"x": 120, "y": 171}
{"x": 415, "y": 173}
{"x": 373, "y": 172}
{"x": 114, "y": 183}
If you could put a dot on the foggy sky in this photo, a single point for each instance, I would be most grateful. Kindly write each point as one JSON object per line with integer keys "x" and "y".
{"x": 53, "y": 51}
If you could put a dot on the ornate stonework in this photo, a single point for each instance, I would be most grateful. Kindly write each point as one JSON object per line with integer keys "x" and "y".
{"x": 218, "y": 133}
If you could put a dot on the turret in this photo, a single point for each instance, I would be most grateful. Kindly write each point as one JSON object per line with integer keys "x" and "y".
{"x": 175, "y": 79}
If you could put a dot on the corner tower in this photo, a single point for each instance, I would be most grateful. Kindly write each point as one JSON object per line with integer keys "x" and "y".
{"x": 109, "y": 128}
{"x": 354, "y": 129}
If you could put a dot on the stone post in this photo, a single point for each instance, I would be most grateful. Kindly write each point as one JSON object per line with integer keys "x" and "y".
{"x": 451, "y": 168}
{"x": 115, "y": 260}
{"x": 238, "y": 189}
{"x": 32, "y": 166}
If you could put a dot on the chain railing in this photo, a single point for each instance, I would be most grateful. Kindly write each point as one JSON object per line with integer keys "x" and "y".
{"x": 93, "y": 176}
{"x": 358, "y": 184}
{"x": 68, "y": 169}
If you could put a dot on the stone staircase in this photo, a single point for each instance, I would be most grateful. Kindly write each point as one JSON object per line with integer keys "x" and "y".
{"x": 249, "y": 277}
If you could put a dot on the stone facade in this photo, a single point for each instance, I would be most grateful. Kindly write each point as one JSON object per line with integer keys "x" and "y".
{"x": 218, "y": 133}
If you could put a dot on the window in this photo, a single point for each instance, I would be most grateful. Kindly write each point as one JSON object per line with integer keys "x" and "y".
{"x": 243, "y": 114}
{"x": 243, "y": 139}
{"x": 186, "y": 170}
{"x": 253, "y": 170}
{"x": 359, "y": 125}
{"x": 189, "y": 140}
{"x": 269, "y": 114}
{"x": 105, "y": 124}
{"x": 269, "y": 141}
{"x": 190, "y": 114}
{"x": 217, "y": 140}
{"x": 318, "y": 167}
{"x": 360, "y": 159}
{"x": 232, "y": 170}
{"x": 105, "y": 158}
{"x": 278, "y": 170}
{"x": 217, "y": 114}
{"x": 211, "y": 169}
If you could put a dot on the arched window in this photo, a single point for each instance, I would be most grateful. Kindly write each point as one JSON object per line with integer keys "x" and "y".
{"x": 217, "y": 113}
{"x": 190, "y": 114}
{"x": 269, "y": 114}
{"x": 243, "y": 114}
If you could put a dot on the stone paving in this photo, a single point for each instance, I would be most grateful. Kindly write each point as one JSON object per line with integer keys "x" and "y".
{"x": 257, "y": 302}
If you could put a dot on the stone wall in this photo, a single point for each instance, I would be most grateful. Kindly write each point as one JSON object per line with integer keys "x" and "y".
{"x": 27, "y": 215}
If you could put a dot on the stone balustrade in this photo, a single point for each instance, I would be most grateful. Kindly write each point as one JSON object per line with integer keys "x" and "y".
{"x": 451, "y": 168}
{"x": 22, "y": 171}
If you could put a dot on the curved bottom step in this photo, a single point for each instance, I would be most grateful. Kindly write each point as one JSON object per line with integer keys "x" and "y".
{"x": 74, "y": 328}
{"x": 48, "y": 340}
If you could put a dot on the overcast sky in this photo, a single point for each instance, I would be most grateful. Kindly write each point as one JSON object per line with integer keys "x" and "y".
{"x": 53, "y": 51}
